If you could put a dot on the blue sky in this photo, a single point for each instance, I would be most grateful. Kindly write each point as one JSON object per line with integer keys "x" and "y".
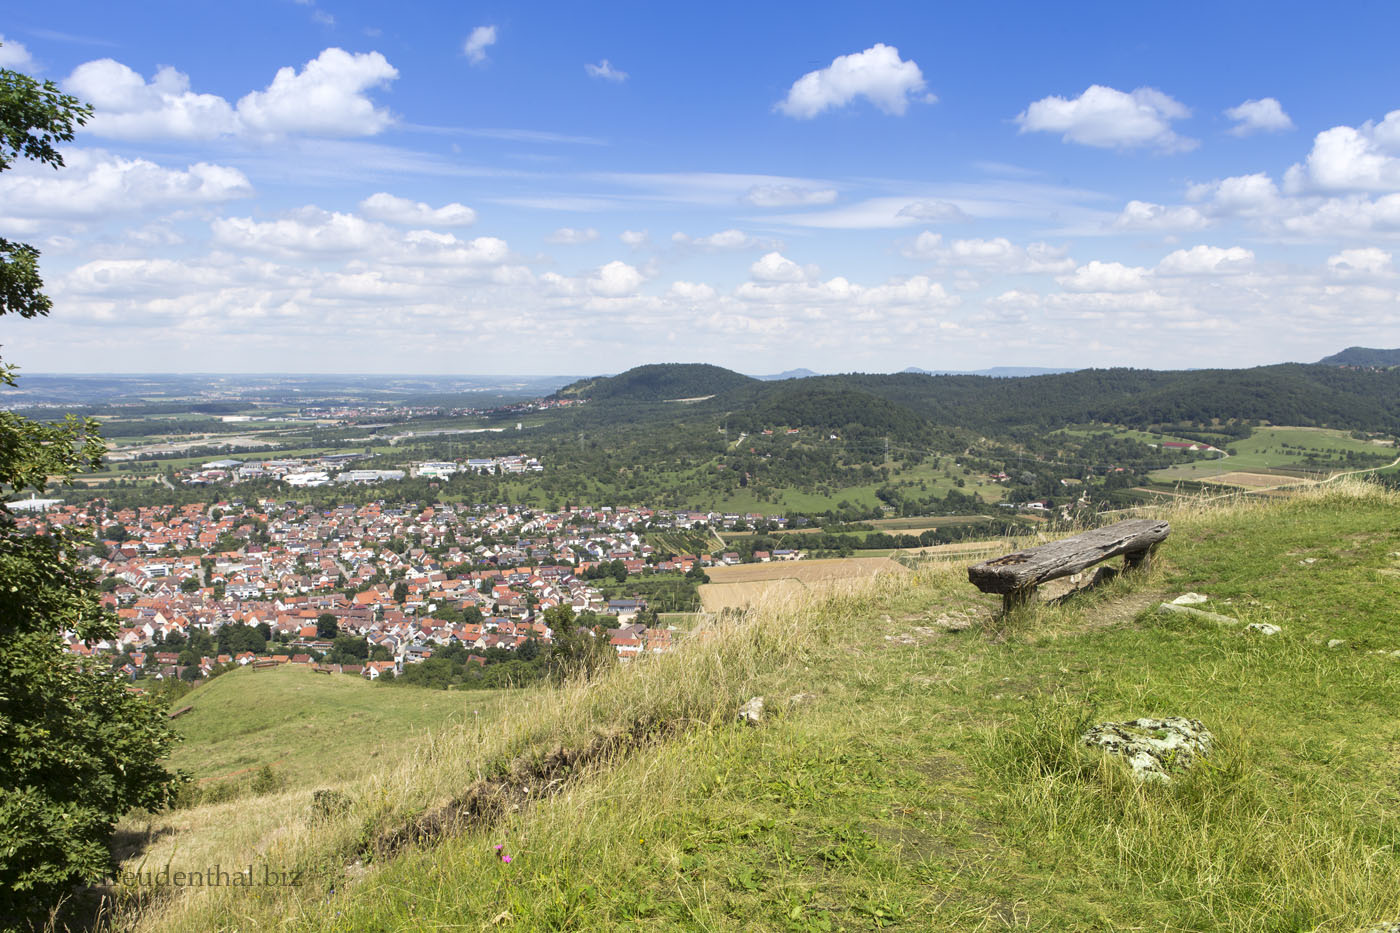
{"x": 567, "y": 188}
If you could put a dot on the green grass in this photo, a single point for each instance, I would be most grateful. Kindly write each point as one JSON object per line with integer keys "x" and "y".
{"x": 936, "y": 782}
{"x": 1264, "y": 451}
{"x": 307, "y": 725}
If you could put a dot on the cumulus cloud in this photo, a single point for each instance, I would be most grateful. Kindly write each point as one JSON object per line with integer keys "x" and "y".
{"x": 605, "y": 71}
{"x": 1146, "y": 216}
{"x": 878, "y": 74}
{"x": 14, "y": 55}
{"x": 1259, "y": 116}
{"x": 1368, "y": 261}
{"x": 615, "y": 280}
{"x": 1110, "y": 119}
{"x": 1206, "y": 260}
{"x": 326, "y": 98}
{"x": 634, "y": 238}
{"x": 788, "y": 196}
{"x": 572, "y": 236}
{"x": 312, "y": 232}
{"x": 386, "y": 207}
{"x": 1097, "y": 276}
{"x": 1345, "y": 158}
{"x": 1240, "y": 195}
{"x": 775, "y": 267}
{"x": 997, "y": 254}
{"x": 691, "y": 291}
{"x": 96, "y": 184}
{"x": 723, "y": 240}
{"x": 476, "y": 44}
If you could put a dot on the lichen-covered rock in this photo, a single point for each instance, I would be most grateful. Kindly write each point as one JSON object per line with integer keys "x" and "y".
{"x": 1391, "y": 927}
{"x": 1190, "y": 599}
{"x": 954, "y": 622}
{"x": 1153, "y": 747}
{"x": 751, "y": 713}
{"x": 1263, "y": 628}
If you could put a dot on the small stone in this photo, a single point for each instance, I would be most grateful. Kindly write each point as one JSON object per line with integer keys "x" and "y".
{"x": 1153, "y": 747}
{"x": 924, "y": 631}
{"x": 954, "y": 622}
{"x": 1306, "y": 561}
{"x": 1392, "y": 927}
{"x": 1336, "y": 642}
{"x": 1174, "y": 609}
{"x": 798, "y": 699}
{"x": 902, "y": 639}
{"x": 1263, "y": 628}
{"x": 1190, "y": 599}
{"x": 751, "y": 713}
{"x": 1395, "y": 654}
{"x": 886, "y": 619}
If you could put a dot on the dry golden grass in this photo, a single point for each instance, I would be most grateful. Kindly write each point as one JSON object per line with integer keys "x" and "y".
{"x": 1247, "y": 480}
{"x": 756, "y": 584}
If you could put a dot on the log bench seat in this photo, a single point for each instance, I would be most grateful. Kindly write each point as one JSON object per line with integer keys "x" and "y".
{"x": 1016, "y": 576}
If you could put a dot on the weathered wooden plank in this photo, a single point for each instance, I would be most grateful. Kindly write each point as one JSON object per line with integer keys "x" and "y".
{"x": 1023, "y": 570}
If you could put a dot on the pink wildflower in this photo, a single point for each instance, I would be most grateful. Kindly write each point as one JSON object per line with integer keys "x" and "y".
{"x": 506, "y": 859}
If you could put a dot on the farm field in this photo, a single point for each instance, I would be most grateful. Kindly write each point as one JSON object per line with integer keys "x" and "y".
{"x": 1285, "y": 448}
{"x": 748, "y": 584}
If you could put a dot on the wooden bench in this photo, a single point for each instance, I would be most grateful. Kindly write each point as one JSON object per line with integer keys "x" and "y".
{"x": 1015, "y": 576}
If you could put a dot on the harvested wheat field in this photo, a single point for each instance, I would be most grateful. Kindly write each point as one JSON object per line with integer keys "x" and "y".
{"x": 751, "y": 584}
{"x": 1254, "y": 480}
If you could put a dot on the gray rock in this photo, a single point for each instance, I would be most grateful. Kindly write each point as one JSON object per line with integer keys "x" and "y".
{"x": 1336, "y": 643}
{"x": 1153, "y": 747}
{"x": 1190, "y": 599}
{"x": 1263, "y": 628}
{"x": 953, "y": 622}
{"x": 1173, "y": 609}
{"x": 902, "y": 639}
{"x": 1391, "y": 927}
{"x": 751, "y": 713}
{"x": 800, "y": 699}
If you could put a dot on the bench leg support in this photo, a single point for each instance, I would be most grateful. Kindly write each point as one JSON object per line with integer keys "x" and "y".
{"x": 1018, "y": 599}
{"x": 1139, "y": 560}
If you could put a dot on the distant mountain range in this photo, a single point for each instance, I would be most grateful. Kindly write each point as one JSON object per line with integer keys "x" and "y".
{"x": 1363, "y": 356}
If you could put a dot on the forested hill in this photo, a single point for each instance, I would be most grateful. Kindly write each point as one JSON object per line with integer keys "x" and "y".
{"x": 1363, "y": 356}
{"x": 909, "y": 405}
{"x": 1290, "y": 393}
{"x": 659, "y": 382}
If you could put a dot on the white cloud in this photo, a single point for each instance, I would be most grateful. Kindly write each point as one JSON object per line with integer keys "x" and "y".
{"x": 1239, "y": 196}
{"x": 634, "y": 238}
{"x": 1369, "y": 261}
{"x": 126, "y": 107}
{"x": 1259, "y": 116}
{"x": 1345, "y": 158}
{"x": 691, "y": 291}
{"x": 615, "y": 280}
{"x": 94, "y": 184}
{"x": 775, "y": 267}
{"x": 14, "y": 55}
{"x": 1110, "y": 119}
{"x": 395, "y": 210}
{"x": 326, "y": 98}
{"x": 571, "y": 236}
{"x": 1206, "y": 260}
{"x": 934, "y": 212}
{"x": 605, "y": 71}
{"x": 1146, "y": 216}
{"x": 788, "y": 196}
{"x": 994, "y": 255}
{"x": 312, "y": 232}
{"x": 878, "y": 74}
{"x": 477, "y": 43}
{"x": 1097, "y": 276}
{"x": 723, "y": 240}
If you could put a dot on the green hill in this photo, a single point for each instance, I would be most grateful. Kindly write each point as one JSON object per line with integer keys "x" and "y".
{"x": 306, "y": 725}
{"x": 905, "y": 776}
{"x": 1362, "y": 356}
{"x": 659, "y": 382}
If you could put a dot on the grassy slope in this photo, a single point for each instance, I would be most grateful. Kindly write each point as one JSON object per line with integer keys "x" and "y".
{"x": 308, "y": 725}
{"x": 937, "y": 784}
